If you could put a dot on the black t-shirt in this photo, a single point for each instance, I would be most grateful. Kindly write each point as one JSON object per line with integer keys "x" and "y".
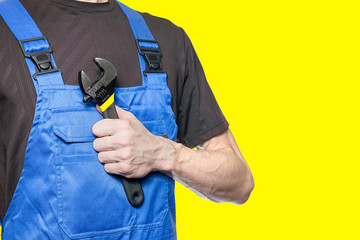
{"x": 78, "y": 32}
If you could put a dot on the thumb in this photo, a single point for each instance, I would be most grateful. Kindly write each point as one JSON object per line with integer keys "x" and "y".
{"x": 123, "y": 114}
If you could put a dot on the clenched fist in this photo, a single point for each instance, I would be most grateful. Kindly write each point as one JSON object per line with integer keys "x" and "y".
{"x": 127, "y": 148}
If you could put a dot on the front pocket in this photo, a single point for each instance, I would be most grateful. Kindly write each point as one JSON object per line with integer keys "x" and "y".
{"x": 91, "y": 202}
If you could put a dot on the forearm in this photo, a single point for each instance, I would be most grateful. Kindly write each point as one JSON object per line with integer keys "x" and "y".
{"x": 220, "y": 175}
{"x": 219, "y": 172}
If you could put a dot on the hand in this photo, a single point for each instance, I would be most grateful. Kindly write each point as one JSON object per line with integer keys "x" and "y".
{"x": 127, "y": 148}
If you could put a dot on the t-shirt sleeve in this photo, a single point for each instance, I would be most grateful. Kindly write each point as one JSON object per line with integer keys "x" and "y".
{"x": 199, "y": 117}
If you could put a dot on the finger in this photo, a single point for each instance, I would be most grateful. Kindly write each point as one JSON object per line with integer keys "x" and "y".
{"x": 108, "y": 143}
{"x": 123, "y": 154}
{"x": 104, "y": 127}
{"x": 119, "y": 169}
{"x": 111, "y": 168}
{"x": 107, "y": 157}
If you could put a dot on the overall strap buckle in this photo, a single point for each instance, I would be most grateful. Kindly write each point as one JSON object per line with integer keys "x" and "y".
{"x": 150, "y": 50}
{"x": 41, "y": 58}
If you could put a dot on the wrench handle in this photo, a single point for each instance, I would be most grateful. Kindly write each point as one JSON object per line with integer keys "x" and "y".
{"x": 133, "y": 189}
{"x": 110, "y": 112}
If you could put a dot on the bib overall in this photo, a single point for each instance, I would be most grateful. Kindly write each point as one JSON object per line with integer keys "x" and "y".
{"x": 64, "y": 191}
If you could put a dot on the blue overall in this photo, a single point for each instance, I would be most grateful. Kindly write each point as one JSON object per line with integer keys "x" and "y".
{"x": 64, "y": 191}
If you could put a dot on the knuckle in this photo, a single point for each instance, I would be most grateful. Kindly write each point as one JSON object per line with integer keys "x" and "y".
{"x": 125, "y": 169}
{"x": 121, "y": 141}
{"x": 118, "y": 155}
{"x": 125, "y": 154}
{"x": 126, "y": 124}
{"x": 118, "y": 142}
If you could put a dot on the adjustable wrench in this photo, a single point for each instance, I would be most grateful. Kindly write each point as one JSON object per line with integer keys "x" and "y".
{"x": 102, "y": 92}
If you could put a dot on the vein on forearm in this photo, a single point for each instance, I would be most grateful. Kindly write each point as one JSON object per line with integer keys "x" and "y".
{"x": 213, "y": 174}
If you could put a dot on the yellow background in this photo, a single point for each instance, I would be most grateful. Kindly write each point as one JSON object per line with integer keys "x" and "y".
{"x": 285, "y": 74}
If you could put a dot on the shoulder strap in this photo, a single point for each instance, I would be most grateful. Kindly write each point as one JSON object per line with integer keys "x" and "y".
{"x": 38, "y": 53}
{"x": 148, "y": 49}
{"x": 36, "y": 49}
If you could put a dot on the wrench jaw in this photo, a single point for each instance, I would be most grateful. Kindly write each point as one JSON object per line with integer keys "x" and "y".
{"x": 102, "y": 89}
{"x": 85, "y": 85}
{"x": 108, "y": 71}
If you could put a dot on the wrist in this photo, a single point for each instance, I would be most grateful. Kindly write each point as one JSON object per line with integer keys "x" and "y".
{"x": 169, "y": 156}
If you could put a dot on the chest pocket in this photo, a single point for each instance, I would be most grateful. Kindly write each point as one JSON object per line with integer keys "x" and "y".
{"x": 91, "y": 202}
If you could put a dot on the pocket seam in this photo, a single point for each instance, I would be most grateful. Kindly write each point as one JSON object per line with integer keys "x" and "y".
{"x": 58, "y": 128}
